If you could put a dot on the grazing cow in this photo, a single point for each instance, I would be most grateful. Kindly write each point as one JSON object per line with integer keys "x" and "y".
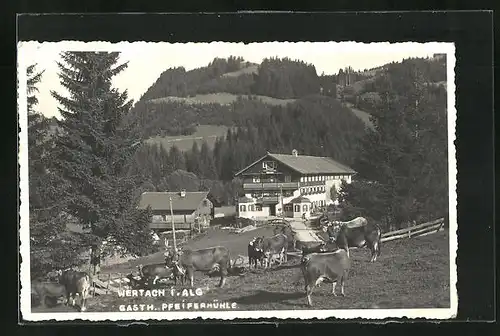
{"x": 356, "y": 233}
{"x": 319, "y": 248}
{"x": 277, "y": 244}
{"x": 255, "y": 254}
{"x": 205, "y": 260}
{"x": 330, "y": 266}
{"x": 75, "y": 282}
{"x": 290, "y": 235}
{"x": 47, "y": 289}
{"x": 152, "y": 273}
{"x": 135, "y": 282}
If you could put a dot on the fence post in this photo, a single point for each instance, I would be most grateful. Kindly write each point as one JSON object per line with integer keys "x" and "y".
{"x": 107, "y": 285}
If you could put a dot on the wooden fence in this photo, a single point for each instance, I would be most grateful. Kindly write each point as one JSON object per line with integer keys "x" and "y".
{"x": 414, "y": 231}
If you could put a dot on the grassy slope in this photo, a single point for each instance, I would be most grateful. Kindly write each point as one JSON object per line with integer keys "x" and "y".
{"x": 208, "y": 133}
{"x": 409, "y": 274}
{"x": 222, "y": 98}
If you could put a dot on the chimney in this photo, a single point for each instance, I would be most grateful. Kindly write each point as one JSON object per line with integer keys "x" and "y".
{"x": 183, "y": 192}
{"x": 295, "y": 152}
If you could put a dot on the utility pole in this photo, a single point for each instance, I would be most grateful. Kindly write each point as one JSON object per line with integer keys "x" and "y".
{"x": 173, "y": 225}
{"x": 281, "y": 200}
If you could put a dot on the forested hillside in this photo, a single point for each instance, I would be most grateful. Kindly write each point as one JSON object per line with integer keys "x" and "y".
{"x": 95, "y": 163}
{"x": 304, "y": 114}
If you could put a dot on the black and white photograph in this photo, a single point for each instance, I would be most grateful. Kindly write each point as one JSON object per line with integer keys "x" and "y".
{"x": 289, "y": 180}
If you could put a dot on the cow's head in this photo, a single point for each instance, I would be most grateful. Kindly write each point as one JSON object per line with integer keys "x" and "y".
{"x": 252, "y": 242}
{"x": 171, "y": 257}
{"x": 258, "y": 244}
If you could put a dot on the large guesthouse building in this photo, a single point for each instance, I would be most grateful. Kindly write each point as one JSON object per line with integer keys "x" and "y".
{"x": 289, "y": 185}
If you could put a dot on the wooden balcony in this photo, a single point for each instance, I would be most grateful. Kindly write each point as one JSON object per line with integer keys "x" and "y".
{"x": 162, "y": 225}
{"x": 268, "y": 200}
{"x": 312, "y": 183}
{"x": 271, "y": 186}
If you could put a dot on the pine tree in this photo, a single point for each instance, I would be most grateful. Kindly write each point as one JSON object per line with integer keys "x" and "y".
{"x": 95, "y": 148}
{"x": 398, "y": 157}
{"x": 207, "y": 163}
{"x": 49, "y": 239}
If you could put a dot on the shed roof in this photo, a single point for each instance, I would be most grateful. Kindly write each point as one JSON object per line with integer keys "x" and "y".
{"x": 161, "y": 200}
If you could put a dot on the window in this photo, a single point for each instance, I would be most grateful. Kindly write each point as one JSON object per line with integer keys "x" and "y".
{"x": 256, "y": 180}
{"x": 243, "y": 208}
{"x": 269, "y": 165}
{"x": 258, "y": 207}
{"x": 304, "y": 207}
{"x": 251, "y": 208}
{"x": 297, "y": 208}
{"x": 288, "y": 178}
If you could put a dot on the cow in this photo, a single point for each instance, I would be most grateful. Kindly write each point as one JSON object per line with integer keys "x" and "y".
{"x": 255, "y": 254}
{"x": 135, "y": 282}
{"x": 318, "y": 248}
{"x": 277, "y": 244}
{"x": 47, "y": 290}
{"x": 330, "y": 266}
{"x": 152, "y": 273}
{"x": 288, "y": 232}
{"x": 356, "y": 233}
{"x": 205, "y": 260}
{"x": 75, "y": 282}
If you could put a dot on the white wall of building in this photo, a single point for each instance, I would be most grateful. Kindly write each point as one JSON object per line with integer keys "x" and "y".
{"x": 315, "y": 198}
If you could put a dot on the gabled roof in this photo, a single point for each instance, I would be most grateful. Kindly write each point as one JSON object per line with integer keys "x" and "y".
{"x": 161, "y": 200}
{"x": 306, "y": 164}
{"x": 300, "y": 199}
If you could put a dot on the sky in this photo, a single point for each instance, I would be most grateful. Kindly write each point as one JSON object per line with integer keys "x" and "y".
{"x": 146, "y": 61}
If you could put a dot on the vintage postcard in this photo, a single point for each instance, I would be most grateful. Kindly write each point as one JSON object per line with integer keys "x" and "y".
{"x": 237, "y": 181}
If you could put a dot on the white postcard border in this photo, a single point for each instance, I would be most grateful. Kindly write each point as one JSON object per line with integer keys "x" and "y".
{"x": 25, "y": 295}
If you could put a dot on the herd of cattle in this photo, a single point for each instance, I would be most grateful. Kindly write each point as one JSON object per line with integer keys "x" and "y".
{"x": 328, "y": 260}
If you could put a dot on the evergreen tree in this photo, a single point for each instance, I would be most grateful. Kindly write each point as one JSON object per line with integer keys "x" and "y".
{"x": 49, "y": 238}
{"x": 403, "y": 159}
{"x": 95, "y": 147}
{"x": 207, "y": 163}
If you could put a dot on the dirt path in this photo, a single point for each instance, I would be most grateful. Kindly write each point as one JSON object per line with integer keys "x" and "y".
{"x": 303, "y": 233}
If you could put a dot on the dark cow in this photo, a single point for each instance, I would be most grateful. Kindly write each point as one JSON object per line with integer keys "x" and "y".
{"x": 318, "y": 248}
{"x": 204, "y": 260}
{"x": 75, "y": 282}
{"x": 47, "y": 290}
{"x": 136, "y": 282}
{"x": 288, "y": 232}
{"x": 330, "y": 266}
{"x": 152, "y": 273}
{"x": 356, "y": 233}
{"x": 277, "y": 244}
{"x": 255, "y": 254}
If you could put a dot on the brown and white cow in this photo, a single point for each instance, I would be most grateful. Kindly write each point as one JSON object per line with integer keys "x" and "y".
{"x": 317, "y": 248}
{"x": 75, "y": 283}
{"x": 152, "y": 273}
{"x": 358, "y": 232}
{"x": 286, "y": 229}
{"x": 47, "y": 290}
{"x": 277, "y": 244}
{"x": 204, "y": 260}
{"x": 330, "y": 266}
